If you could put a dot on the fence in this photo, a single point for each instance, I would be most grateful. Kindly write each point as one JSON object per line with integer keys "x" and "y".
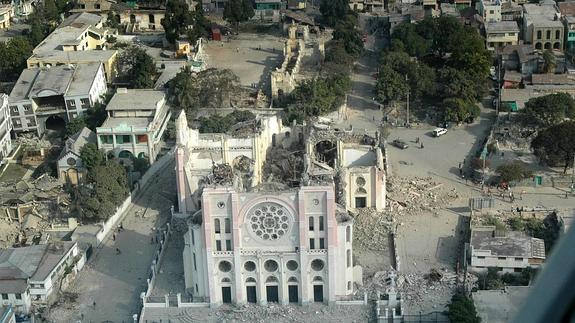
{"x": 437, "y": 317}
{"x": 153, "y": 301}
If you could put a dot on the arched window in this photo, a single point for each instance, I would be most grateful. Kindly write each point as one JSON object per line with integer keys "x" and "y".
{"x": 557, "y": 34}
{"x": 348, "y": 233}
{"x": 548, "y": 33}
{"x": 227, "y": 225}
{"x": 348, "y": 258}
{"x": 348, "y": 285}
{"x": 250, "y": 280}
{"x": 292, "y": 280}
{"x": 539, "y": 34}
{"x": 217, "y": 225}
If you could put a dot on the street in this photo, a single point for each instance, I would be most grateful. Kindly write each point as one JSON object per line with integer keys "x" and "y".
{"x": 113, "y": 282}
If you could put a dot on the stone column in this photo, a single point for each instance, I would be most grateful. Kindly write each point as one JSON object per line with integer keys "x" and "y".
{"x": 303, "y": 248}
{"x": 236, "y": 225}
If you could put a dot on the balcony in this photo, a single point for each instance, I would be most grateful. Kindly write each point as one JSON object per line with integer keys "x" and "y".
{"x": 50, "y": 110}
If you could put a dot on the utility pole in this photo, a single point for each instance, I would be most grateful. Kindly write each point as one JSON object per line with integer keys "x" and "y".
{"x": 498, "y": 85}
{"x": 407, "y": 123}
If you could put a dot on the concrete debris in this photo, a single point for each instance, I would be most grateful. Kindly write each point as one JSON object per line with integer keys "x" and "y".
{"x": 222, "y": 174}
{"x": 371, "y": 229}
{"x": 410, "y": 196}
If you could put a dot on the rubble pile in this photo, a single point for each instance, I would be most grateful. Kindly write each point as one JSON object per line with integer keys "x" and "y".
{"x": 420, "y": 289}
{"x": 222, "y": 174}
{"x": 290, "y": 313}
{"x": 371, "y": 229}
{"x": 283, "y": 165}
{"x": 28, "y": 207}
{"x": 412, "y": 195}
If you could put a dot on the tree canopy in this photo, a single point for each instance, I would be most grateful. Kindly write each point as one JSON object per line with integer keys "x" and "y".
{"x": 333, "y": 11}
{"x": 14, "y": 54}
{"x": 179, "y": 20}
{"x": 91, "y": 156}
{"x": 348, "y": 33}
{"x": 420, "y": 50}
{"x": 391, "y": 85}
{"x": 210, "y": 88}
{"x": 460, "y": 110}
{"x": 556, "y": 144}
{"x": 238, "y": 11}
{"x": 317, "y": 96}
{"x": 137, "y": 68}
{"x": 513, "y": 171}
{"x": 462, "y": 310}
{"x": 548, "y": 110}
{"x": 106, "y": 190}
{"x": 221, "y": 124}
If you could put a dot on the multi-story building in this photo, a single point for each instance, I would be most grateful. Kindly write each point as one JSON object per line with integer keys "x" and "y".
{"x": 140, "y": 17}
{"x": 567, "y": 10}
{"x": 80, "y": 39}
{"x": 5, "y": 128}
{"x": 542, "y": 25}
{"x": 135, "y": 124}
{"x": 500, "y": 34}
{"x": 54, "y": 94}
{"x": 508, "y": 251}
{"x": 367, "y": 5}
{"x": 29, "y": 275}
{"x": 265, "y": 226}
{"x": 283, "y": 247}
{"x": 6, "y": 13}
{"x": 95, "y": 6}
{"x": 268, "y": 10}
{"x": 489, "y": 10}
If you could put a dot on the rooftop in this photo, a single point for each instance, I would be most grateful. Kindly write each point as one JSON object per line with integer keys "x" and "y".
{"x": 57, "y": 80}
{"x": 83, "y": 56}
{"x": 513, "y": 76}
{"x": 136, "y": 99}
{"x": 567, "y": 8}
{"x": 53, "y": 255}
{"x": 78, "y": 140}
{"x": 20, "y": 263}
{"x": 126, "y": 123}
{"x": 82, "y": 19}
{"x": 542, "y": 14}
{"x": 500, "y": 306}
{"x": 513, "y": 244}
{"x": 555, "y": 79}
{"x": 501, "y": 26}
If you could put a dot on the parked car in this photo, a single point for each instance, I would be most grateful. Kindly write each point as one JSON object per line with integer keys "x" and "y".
{"x": 439, "y": 132}
{"x": 400, "y": 144}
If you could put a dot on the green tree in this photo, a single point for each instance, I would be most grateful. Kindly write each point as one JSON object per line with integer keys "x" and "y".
{"x": 460, "y": 110}
{"x": 333, "y": 11}
{"x": 140, "y": 165}
{"x": 14, "y": 54}
{"x": 113, "y": 19}
{"x": 346, "y": 31}
{"x": 455, "y": 83}
{"x": 337, "y": 57}
{"x": 183, "y": 91}
{"x": 222, "y": 124}
{"x": 548, "y": 110}
{"x": 513, "y": 171}
{"x": 391, "y": 86}
{"x": 414, "y": 44}
{"x": 318, "y": 96}
{"x": 556, "y": 144}
{"x": 75, "y": 125}
{"x": 176, "y": 20}
{"x": 91, "y": 156}
{"x": 238, "y": 11}
{"x": 106, "y": 190}
{"x": 462, "y": 310}
{"x": 200, "y": 25}
{"x": 137, "y": 68}
{"x": 550, "y": 61}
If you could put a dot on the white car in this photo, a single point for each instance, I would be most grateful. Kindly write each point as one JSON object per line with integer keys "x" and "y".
{"x": 439, "y": 132}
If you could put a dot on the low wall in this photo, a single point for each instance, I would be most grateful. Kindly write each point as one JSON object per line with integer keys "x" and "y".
{"x": 113, "y": 221}
{"x": 396, "y": 261}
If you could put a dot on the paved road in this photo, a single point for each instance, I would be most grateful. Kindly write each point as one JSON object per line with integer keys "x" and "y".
{"x": 114, "y": 281}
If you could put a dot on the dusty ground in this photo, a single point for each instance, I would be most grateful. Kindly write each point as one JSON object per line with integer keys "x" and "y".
{"x": 170, "y": 277}
{"x": 114, "y": 282}
{"x": 241, "y": 55}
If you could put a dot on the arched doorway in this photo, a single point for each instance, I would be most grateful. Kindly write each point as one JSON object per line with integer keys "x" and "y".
{"x": 317, "y": 289}
{"x": 557, "y": 45}
{"x": 293, "y": 293}
{"x": 547, "y": 45}
{"x": 125, "y": 154}
{"x": 251, "y": 290}
{"x": 326, "y": 152}
{"x": 72, "y": 176}
{"x": 55, "y": 123}
{"x": 538, "y": 45}
{"x": 272, "y": 289}
{"x": 132, "y": 19}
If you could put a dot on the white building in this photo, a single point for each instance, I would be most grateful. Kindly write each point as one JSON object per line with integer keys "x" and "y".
{"x": 283, "y": 247}
{"x": 55, "y": 94}
{"x": 5, "y": 128}
{"x": 508, "y": 251}
{"x": 135, "y": 124}
{"x": 500, "y": 34}
{"x": 71, "y": 169}
{"x": 30, "y": 274}
{"x": 489, "y": 10}
{"x": 6, "y": 13}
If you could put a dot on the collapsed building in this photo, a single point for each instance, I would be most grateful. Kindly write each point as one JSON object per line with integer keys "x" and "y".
{"x": 267, "y": 212}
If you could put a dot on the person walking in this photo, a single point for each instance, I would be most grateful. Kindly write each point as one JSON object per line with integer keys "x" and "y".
{"x": 114, "y": 236}
{"x": 94, "y": 304}
{"x": 118, "y": 251}
{"x": 521, "y": 195}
